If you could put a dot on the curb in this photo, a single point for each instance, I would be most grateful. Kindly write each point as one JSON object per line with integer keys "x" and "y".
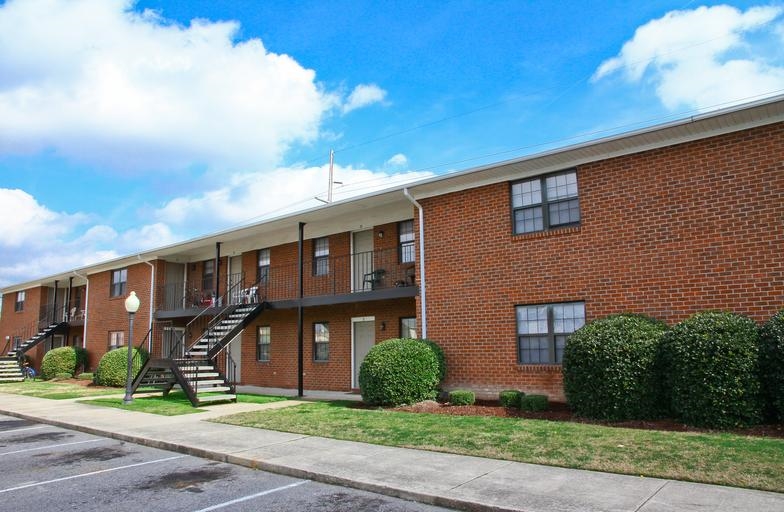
{"x": 395, "y": 492}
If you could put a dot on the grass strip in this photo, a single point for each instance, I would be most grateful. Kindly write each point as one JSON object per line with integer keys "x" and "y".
{"x": 176, "y": 403}
{"x": 714, "y": 458}
{"x": 54, "y": 390}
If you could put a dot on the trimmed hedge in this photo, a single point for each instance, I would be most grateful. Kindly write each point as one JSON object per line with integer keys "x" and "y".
{"x": 462, "y": 397}
{"x": 534, "y": 403}
{"x": 439, "y": 353}
{"x": 81, "y": 359}
{"x": 85, "y": 376}
{"x": 64, "y": 375}
{"x": 610, "y": 368}
{"x": 711, "y": 364}
{"x": 510, "y": 397}
{"x": 58, "y": 360}
{"x": 399, "y": 371}
{"x": 112, "y": 369}
{"x": 772, "y": 366}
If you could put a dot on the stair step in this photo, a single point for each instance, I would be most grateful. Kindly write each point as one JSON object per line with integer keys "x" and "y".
{"x": 212, "y": 389}
{"x": 210, "y": 382}
{"x": 216, "y": 398}
{"x": 202, "y": 375}
{"x": 11, "y": 379}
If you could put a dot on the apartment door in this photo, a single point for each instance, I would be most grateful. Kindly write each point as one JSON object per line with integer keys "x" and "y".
{"x": 174, "y": 287}
{"x": 234, "y": 284}
{"x": 234, "y": 362}
{"x": 362, "y": 259}
{"x": 173, "y": 342}
{"x": 363, "y": 337}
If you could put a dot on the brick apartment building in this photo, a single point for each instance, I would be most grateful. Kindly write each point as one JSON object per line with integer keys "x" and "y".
{"x": 497, "y": 264}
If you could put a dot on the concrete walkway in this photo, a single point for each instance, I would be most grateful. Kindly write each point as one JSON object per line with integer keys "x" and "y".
{"x": 457, "y": 481}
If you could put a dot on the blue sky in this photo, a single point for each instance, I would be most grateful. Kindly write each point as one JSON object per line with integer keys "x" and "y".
{"x": 130, "y": 125}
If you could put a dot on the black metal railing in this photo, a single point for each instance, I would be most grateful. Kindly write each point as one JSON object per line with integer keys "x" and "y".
{"x": 141, "y": 354}
{"x": 352, "y": 273}
{"x": 48, "y": 315}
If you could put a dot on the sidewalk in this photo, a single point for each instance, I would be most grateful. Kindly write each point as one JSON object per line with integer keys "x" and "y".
{"x": 457, "y": 481}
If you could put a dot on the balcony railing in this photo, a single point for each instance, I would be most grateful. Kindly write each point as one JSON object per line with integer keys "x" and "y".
{"x": 354, "y": 273}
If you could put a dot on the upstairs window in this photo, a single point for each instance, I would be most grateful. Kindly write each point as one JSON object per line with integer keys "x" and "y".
{"x": 208, "y": 275}
{"x": 545, "y": 202}
{"x": 406, "y": 251}
{"x": 119, "y": 279}
{"x": 321, "y": 341}
{"x": 542, "y": 331}
{"x": 321, "y": 256}
{"x": 20, "y": 300}
{"x": 262, "y": 274}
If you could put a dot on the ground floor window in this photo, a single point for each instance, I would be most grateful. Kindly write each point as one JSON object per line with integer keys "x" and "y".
{"x": 116, "y": 339}
{"x": 263, "y": 339}
{"x": 408, "y": 327}
{"x": 321, "y": 341}
{"x": 542, "y": 331}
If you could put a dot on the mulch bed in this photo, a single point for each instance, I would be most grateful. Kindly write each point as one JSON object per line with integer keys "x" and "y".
{"x": 560, "y": 412}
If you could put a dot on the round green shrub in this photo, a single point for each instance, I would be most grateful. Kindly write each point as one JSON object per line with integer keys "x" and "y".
{"x": 610, "y": 368}
{"x": 510, "y": 397}
{"x": 112, "y": 369}
{"x": 81, "y": 359}
{"x": 439, "y": 353}
{"x": 399, "y": 371}
{"x": 58, "y": 360}
{"x": 534, "y": 403}
{"x": 772, "y": 366}
{"x": 462, "y": 397}
{"x": 711, "y": 366}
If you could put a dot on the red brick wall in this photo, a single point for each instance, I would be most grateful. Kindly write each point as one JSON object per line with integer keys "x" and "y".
{"x": 667, "y": 233}
{"x": 107, "y": 313}
{"x": 335, "y": 374}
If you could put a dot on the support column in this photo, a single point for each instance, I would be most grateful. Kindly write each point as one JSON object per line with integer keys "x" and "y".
{"x": 68, "y": 302}
{"x": 300, "y": 293}
{"x": 217, "y": 271}
{"x": 54, "y": 303}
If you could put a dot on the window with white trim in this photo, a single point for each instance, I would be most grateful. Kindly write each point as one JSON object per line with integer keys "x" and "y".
{"x": 321, "y": 341}
{"x": 321, "y": 256}
{"x": 408, "y": 327}
{"x": 116, "y": 339}
{"x": 20, "y": 300}
{"x": 119, "y": 280}
{"x": 262, "y": 274}
{"x": 263, "y": 339}
{"x": 542, "y": 331}
{"x": 406, "y": 249}
{"x": 545, "y": 202}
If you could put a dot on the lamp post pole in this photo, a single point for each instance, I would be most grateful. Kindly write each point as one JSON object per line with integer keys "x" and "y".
{"x": 131, "y": 306}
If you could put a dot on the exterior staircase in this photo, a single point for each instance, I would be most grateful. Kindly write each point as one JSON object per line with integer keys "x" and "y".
{"x": 10, "y": 370}
{"x": 38, "y": 338}
{"x": 197, "y": 374}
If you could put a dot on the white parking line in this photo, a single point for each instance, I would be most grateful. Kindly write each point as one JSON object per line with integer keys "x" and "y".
{"x": 54, "y": 446}
{"x": 252, "y": 496}
{"x": 21, "y": 429}
{"x": 90, "y": 474}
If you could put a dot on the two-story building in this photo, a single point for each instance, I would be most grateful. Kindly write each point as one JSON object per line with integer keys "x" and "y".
{"x": 497, "y": 264}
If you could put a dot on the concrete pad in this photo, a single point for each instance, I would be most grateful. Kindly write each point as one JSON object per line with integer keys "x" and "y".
{"x": 544, "y": 488}
{"x": 712, "y": 498}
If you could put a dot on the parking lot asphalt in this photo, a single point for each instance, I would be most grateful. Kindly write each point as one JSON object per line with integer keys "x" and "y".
{"x": 44, "y": 467}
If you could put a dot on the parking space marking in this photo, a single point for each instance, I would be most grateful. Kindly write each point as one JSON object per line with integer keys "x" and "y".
{"x": 53, "y": 446}
{"x": 252, "y": 496}
{"x": 21, "y": 429}
{"x": 91, "y": 473}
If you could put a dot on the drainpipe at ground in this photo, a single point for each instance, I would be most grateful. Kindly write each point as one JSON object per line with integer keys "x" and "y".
{"x": 422, "y": 287}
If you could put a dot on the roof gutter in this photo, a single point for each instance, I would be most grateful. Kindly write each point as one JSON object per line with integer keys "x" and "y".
{"x": 86, "y": 307}
{"x": 422, "y": 286}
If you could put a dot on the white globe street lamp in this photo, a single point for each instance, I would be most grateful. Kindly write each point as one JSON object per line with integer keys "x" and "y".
{"x": 131, "y": 306}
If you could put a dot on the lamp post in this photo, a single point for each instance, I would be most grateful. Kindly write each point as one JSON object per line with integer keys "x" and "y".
{"x": 131, "y": 306}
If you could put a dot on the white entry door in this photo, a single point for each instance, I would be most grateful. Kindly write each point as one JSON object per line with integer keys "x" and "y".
{"x": 363, "y": 335}
{"x": 362, "y": 259}
{"x": 235, "y": 351}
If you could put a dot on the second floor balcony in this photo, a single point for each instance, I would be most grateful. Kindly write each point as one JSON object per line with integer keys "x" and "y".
{"x": 372, "y": 275}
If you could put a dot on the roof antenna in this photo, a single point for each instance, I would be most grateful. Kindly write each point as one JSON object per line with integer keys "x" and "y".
{"x": 332, "y": 181}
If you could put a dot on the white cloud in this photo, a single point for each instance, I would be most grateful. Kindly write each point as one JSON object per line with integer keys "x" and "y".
{"x": 97, "y": 82}
{"x": 704, "y": 57}
{"x": 364, "y": 95}
{"x": 250, "y": 197}
{"x": 27, "y": 222}
{"x": 398, "y": 160}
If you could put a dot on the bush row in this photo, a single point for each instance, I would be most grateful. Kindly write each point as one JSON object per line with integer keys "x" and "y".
{"x": 518, "y": 399}
{"x": 63, "y": 360}
{"x": 714, "y": 369}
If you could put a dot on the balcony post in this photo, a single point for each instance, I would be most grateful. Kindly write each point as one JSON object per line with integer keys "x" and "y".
{"x": 300, "y": 320}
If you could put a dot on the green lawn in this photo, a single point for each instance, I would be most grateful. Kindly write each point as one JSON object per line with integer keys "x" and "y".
{"x": 55, "y": 390}
{"x": 724, "y": 459}
{"x": 174, "y": 404}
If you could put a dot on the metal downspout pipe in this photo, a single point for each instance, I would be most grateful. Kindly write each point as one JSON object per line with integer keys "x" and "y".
{"x": 422, "y": 287}
{"x": 86, "y": 307}
{"x": 152, "y": 298}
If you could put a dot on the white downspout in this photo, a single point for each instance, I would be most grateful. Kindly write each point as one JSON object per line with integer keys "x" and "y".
{"x": 86, "y": 307}
{"x": 152, "y": 299}
{"x": 422, "y": 287}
